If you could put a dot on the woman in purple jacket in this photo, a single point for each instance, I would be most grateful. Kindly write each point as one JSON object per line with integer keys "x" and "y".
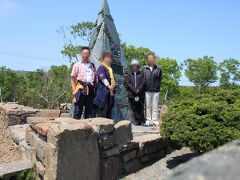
{"x": 104, "y": 98}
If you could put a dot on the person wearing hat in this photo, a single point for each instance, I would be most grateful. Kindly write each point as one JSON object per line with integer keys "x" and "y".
{"x": 135, "y": 82}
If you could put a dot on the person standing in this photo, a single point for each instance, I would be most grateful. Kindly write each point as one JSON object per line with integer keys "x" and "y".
{"x": 153, "y": 78}
{"x": 82, "y": 81}
{"x": 104, "y": 99}
{"x": 135, "y": 85}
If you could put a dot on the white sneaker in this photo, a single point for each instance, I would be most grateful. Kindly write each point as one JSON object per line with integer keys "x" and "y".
{"x": 148, "y": 123}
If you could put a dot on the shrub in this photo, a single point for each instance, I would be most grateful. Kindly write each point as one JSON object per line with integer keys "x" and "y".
{"x": 27, "y": 174}
{"x": 204, "y": 122}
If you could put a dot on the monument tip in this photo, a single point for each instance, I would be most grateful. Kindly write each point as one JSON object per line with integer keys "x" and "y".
{"x": 105, "y": 8}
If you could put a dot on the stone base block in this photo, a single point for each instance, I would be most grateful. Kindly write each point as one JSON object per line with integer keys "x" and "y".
{"x": 74, "y": 155}
{"x": 149, "y": 144}
{"x": 153, "y": 156}
{"x": 111, "y": 168}
{"x": 106, "y": 141}
{"x": 123, "y": 132}
{"x": 132, "y": 166}
{"x": 129, "y": 155}
{"x": 17, "y": 132}
{"x": 27, "y": 152}
{"x": 39, "y": 146}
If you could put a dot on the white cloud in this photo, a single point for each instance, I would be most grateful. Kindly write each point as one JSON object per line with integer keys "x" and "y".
{"x": 8, "y": 7}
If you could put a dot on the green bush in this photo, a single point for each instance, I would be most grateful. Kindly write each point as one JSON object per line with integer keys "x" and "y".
{"x": 27, "y": 175}
{"x": 205, "y": 121}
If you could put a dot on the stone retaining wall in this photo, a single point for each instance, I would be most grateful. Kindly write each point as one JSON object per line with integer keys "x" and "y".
{"x": 121, "y": 153}
{"x": 16, "y": 114}
{"x": 64, "y": 148}
{"x": 108, "y": 150}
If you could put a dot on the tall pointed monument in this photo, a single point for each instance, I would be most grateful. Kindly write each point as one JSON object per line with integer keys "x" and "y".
{"x": 106, "y": 39}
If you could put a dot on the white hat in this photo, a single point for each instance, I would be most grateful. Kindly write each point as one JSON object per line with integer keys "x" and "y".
{"x": 134, "y": 62}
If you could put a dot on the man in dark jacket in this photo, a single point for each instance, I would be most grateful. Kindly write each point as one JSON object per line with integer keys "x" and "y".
{"x": 135, "y": 85}
{"x": 153, "y": 79}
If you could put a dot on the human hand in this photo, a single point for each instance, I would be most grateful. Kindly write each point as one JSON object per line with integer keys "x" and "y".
{"x": 73, "y": 94}
{"x": 110, "y": 88}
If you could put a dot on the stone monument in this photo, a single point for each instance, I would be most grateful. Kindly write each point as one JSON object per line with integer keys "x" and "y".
{"x": 106, "y": 39}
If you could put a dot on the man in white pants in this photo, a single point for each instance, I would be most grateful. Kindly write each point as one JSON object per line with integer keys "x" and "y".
{"x": 153, "y": 79}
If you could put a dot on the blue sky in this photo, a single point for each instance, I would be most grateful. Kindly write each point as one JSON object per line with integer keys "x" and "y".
{"x": 171, "y": 28}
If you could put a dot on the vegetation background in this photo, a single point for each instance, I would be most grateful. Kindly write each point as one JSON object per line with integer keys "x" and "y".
{"x": 201, "y": 117}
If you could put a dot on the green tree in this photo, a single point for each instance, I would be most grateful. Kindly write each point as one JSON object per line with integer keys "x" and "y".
{"x": 47, "y": 89}
{"x": 61, "y": 87}
{"x": 83, "y": 30}
{"x": 201, "y": 72}
{"x": 55, "y": 85}
{"x": 10, "y": 84}
{"x": 71, "y": 51}
{"x": 73, "y": 38}
{"x": 32, "y": 86}
{"x": 132, "y": 52}
{"x": 171, "y": 76}
{"x": 229, "y": 72}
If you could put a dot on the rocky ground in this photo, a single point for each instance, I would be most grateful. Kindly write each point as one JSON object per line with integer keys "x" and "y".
{"x": 161, "y": 168}
{"x": 8, "y": 151}
{"x": 11, "y": 114}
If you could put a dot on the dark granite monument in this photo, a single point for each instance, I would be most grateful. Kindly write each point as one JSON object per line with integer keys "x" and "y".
{"x": 106, "y": 39}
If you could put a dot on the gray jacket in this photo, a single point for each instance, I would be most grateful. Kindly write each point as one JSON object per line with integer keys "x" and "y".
{"x": 153, "y": 79}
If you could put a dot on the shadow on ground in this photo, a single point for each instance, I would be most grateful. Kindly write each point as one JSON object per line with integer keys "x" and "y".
{"x": 177, "y": 160}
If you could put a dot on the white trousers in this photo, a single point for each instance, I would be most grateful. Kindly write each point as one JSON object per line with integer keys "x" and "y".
{"x": 151, "y": 103}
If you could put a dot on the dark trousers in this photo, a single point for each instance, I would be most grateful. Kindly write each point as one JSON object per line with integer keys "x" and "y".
{"x": 138, "y": 110}
{"x": 105, "y": 112}
{"x": 86, "y": 102}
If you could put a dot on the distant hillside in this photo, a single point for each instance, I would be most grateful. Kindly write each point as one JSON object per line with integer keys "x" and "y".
{"x": 20, "y": 72}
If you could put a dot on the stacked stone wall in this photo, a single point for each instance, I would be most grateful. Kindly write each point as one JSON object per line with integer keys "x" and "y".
{"x": 16, "y": 114}
{"x": 108, "y": 150}
{"x": 64, "y": 148}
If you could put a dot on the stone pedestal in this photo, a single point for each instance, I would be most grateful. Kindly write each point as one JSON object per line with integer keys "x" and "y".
{"x": 90, "y": 149}
{"x": 64, "y": 148}
{"x": 72, "y": 153}
{"x": 67, "y": 149}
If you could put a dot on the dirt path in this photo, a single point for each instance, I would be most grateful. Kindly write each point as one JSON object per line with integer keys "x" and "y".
{"x": 8, "y": 151}
{"x": 160, "y": 169}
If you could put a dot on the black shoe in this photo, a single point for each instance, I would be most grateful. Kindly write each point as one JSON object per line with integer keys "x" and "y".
{"x": 138, "y": 124}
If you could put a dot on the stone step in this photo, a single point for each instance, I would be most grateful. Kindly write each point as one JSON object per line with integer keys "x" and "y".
{"x": 9, "y": 170}
{"x": 49, "y": 113}
{"x": 147, "y": 138}
{"x": 143, "y": 130}
{"x": 150, "y": 143}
